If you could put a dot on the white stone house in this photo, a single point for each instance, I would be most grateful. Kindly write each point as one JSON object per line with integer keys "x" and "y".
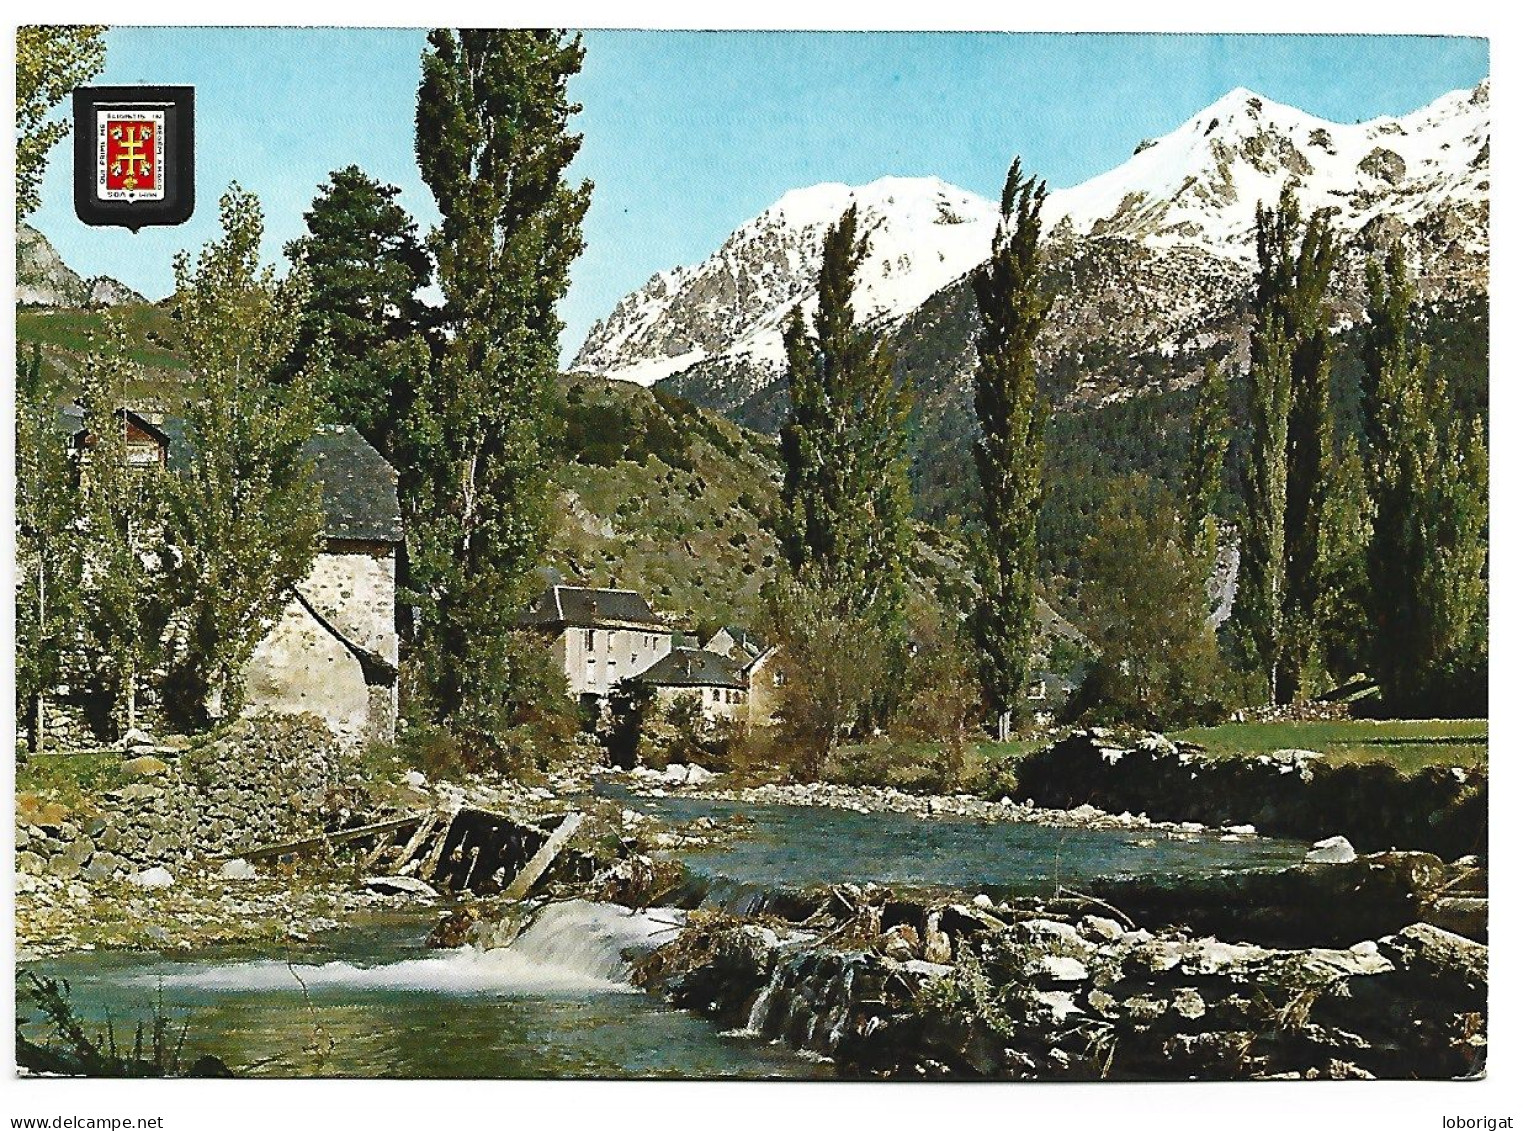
{"x": 333, "y": 650}
{"x": 598, "y": 636}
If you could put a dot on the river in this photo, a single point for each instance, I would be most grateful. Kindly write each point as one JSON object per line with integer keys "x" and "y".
{"x": 370, "y": 1000}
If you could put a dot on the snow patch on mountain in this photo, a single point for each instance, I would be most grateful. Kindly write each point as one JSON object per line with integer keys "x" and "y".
{"x": 922, "y": 234}
{"x": 1201, "y": 184}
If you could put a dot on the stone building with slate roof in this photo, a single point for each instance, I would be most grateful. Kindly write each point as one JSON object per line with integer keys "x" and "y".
{"x": 598, "y": 636}
{"x": 333, "y": 651}
{"x": 715, "y": 681}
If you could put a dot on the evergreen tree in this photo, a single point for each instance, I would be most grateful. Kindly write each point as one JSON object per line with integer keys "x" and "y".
{"x": 47, "y": 562}
{"x": 845, "y": 499}
{"x": 1209, "y": 440}
{"x": 493, "y": 146}
{"x": 244, "y": 514}
{"x": 363, "y": 315}
{"x": 51, "y": 60}
{"x": 1012, "y": 417}
{"x": 1294, "y": 266}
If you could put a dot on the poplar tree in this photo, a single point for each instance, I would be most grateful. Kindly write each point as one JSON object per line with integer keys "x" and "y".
{"x": 47, "y": 561}
{"x": 1259, "y": 608}
{"x": 493, "y": 147}
{"x": 1209, "y": 440}
{"x": 51, "y": 60}
{"x": 244, "y": 513}
{"x": 1009, "y": 452}
{"x": 1290, "y": 343}
{"x": 1428, "y": 471}
{"x": 123, "y": 605}
{"x": 845, "y": 498}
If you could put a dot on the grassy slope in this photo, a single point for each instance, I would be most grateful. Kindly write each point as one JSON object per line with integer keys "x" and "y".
{"x": 1407, "y": 744}
{"x": 67, "y": 335}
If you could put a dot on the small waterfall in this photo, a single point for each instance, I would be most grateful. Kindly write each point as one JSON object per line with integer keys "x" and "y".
{"x": 569, "y": 948}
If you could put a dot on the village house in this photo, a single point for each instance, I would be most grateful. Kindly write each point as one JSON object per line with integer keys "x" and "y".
{"x": 598, "y": 637}
{"x": 759, "y": 671}
{"x": 714, "y": 681}
{"x": 333, "y": 650}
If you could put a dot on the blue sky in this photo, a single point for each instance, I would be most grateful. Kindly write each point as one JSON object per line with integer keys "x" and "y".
{"x": 688, "y": 134}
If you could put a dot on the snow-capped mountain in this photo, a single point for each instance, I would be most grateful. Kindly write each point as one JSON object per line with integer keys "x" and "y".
{"x": 1200, "y": 184}
{"x": 923, "y": 233}
{"x": 1149, "y": 258}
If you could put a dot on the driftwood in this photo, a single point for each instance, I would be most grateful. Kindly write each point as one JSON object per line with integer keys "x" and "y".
{"x": 542, "y": 859}
{"x": 345, "y": 836}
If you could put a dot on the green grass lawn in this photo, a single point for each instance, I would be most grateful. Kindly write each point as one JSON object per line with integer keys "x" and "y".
{"x": 1407, "y": 744}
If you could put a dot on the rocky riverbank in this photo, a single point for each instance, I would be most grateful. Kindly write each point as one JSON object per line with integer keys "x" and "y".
{"x": 1290, "y": 793}
{"x": 895, "y": 987}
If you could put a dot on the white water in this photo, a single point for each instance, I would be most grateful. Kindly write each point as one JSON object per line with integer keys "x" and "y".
{"x": 570, "y": 948}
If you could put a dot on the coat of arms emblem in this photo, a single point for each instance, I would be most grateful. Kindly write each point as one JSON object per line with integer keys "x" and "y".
{"x": 129, "y": 161}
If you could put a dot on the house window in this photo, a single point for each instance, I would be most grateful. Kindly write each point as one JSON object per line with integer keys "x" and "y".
{"x": 716, "y": 695}
{"x": 587, "y": 639}
{"x": 778, "y": 679}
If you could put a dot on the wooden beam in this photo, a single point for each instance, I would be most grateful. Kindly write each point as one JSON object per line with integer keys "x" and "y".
{"x": 415, "y": 842}
{"x": 541, "y": 860}
{"x": 346, "y": 836}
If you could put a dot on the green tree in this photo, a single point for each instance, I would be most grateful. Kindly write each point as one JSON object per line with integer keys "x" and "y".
{"x": 1427, "y": 560}
{"x": 47, "y": 561}
{"x": 1012, "y": 416}
{"x": 834, "y": 658}
{"x": 363, "y": 316}
{"x": 51, "y": 60}
{"x": 124, "y": 605}
{"x": 493, "y": 146}
{"x": 1289, "y": 343}
{"x": 845, "y": 499}
{"x": 1259, "y": 608}
{"x": 1156, "y": 656}
{"x": 245, "y": 512}
{"x": 1209, "y": 439}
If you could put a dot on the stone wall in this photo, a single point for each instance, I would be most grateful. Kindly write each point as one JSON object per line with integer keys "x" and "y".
{"x": 261, "y": 780}
{"x": 308, "y": 661}
{"x": 1292, "y": 793}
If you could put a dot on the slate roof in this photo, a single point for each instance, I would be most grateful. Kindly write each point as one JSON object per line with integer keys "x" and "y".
{"x": 359, "y": 487}
{"x": 693, "y": 667}
{"x": 570, "y": 605}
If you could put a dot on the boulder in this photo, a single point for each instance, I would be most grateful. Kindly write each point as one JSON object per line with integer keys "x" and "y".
{"x": 938, "y": 947}
{"x": 145, "y": 766}
{"x": 1333, "y": 850}
{"x": 899, "y": 943}
{"x": 155, "y": 877}
{"x": 697, "y": 775}
{"x": 238, "y": 869}
{"x": 401, "y": 885}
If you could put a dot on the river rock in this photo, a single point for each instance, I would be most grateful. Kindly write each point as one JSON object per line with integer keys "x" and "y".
{"x": 1060, "y": 968}
{"x": 155, "y": 877}
{"x": 899, "y": 943}
{"x": 238, "y": 869}
{"x": 401, "y": 885}
{"x": 1333, "y": 850}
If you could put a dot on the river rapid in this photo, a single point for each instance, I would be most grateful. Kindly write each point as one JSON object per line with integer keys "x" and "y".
{"x": 370, "y": 1000}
